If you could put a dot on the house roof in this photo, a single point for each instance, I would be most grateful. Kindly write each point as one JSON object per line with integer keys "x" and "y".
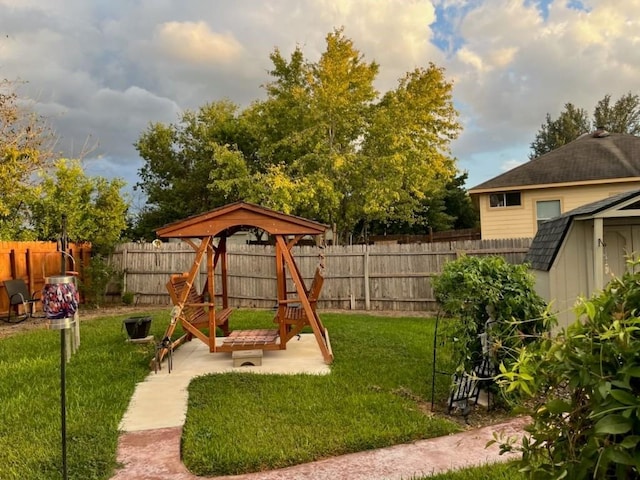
{"x": 548, "y": 240}
{"x": 234, "y": 217}
{"x": 591, "y": 157}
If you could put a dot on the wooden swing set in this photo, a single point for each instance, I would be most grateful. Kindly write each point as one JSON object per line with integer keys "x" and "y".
{"x": 201, "y": 313}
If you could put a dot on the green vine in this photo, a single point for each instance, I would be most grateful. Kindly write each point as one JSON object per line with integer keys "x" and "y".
{"x": 488, "y": 292}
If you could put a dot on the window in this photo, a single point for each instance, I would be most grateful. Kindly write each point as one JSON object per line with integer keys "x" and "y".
{"x": 505, "y": 199}
{"x": 546, "y": 210}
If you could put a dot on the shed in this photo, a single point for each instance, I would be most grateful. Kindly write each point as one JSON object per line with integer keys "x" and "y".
{"x": 577, "y": 253}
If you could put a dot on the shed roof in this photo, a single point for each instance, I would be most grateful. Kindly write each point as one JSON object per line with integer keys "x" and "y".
{"x": 231, "y": 218}
{"x": 589, "y": 158}
{"x": 548, "y": 240}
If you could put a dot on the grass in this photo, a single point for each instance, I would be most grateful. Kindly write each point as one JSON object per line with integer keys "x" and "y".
{"x": 100, "y": 379}
{"x": 499, "y": 471}
{"x": 376, "y": 395}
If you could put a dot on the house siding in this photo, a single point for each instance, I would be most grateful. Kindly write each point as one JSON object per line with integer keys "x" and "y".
{"x": 520, "y": 222}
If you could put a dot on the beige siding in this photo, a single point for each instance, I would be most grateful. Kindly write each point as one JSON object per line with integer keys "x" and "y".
{"x": 571, "y": 275}
{"x": 520, "y": 222}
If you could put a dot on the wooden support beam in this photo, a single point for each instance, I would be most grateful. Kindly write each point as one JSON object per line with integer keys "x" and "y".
{"x": 312, "y": 316}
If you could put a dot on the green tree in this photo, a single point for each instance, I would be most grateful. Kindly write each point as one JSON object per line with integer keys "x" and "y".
{"x": 571, "y": 123}
{"x": 179, "y": 160}
{"x": 321, "y": 145}
{"x": 26, "y": 146}
{"x": 406, "y": 158}
{"x": 96, "y": 211}
{"x": 448, "y": 208}
{"x": 623, "y": 116}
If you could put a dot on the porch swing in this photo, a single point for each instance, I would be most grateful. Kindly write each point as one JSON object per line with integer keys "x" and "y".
{"x": 201, "y": 311}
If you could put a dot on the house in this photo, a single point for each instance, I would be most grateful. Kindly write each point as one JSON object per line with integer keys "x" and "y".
{"x": 592, "y": 167}
{"x": 578, "y": 252}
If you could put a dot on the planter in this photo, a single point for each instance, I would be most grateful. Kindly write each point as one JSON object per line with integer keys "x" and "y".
{"x": 137, "y": 327}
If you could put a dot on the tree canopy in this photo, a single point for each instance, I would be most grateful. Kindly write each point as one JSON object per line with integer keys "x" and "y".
{"x": 26, "y": 146}
{"x": 38, "y": 187}
{"x": 622, "y": 116}
{"x": 323, "y": 144}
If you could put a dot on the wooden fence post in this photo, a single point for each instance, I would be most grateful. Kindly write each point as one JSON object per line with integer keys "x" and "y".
{"x": 30, "y": 276}
{"x": 367, "y": 292}
{"x": 12, "y": 263}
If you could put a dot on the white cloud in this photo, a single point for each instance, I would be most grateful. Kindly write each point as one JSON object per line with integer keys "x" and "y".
{"x": 195, "y": 42}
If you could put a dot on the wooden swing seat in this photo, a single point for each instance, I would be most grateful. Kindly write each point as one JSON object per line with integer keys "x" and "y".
{"x": 195, "y": 309}
{"x": 294, "y": 316}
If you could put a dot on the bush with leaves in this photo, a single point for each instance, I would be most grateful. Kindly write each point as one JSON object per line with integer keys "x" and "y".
{"x": 98, "y": 275}
{"x": 585, "y": 385}
{"x": 470, "y": 287}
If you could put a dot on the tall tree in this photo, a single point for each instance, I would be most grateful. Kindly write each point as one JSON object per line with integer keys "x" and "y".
{"x": 406, "y": 156}
{"x": 26, "y": 146}
{"x": 321, "y": 145}
{"x": 621, "y": 117}
{"x": 179, "y": 159}
{"x": 571, "y": 123}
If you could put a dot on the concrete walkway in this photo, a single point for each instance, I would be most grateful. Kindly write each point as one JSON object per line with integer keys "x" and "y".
{"x": 149, "y": 447}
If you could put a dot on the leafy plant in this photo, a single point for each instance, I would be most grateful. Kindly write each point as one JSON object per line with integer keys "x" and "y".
{"x": 585, "y": 383}
{"x": 489, "y": 291}
{"x": 128, "y": 298}
{"x": 98, "y": 275}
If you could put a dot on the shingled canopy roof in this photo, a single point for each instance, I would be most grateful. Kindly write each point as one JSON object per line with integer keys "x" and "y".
{"x": 237, "y": 216}
{"x": 589, "y": 158}
{"x": 548, "y": 240}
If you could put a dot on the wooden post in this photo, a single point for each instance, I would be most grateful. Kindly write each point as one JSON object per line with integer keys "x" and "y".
{"x": 124, "y": 270}
{"x": 367, "y": 287}
{"x": 224, "y": 274}
{"x": 30, "y": 279}
{"x": 211, "y": 290}
{"x": 281, "y": 286}
{"x": 12, "y": 262}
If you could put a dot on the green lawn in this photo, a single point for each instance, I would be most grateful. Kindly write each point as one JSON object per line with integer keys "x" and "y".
{"x": 500, "y": 471}
{"x": 376, "y": 395}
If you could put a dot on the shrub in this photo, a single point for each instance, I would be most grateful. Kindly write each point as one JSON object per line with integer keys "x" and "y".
{"x": 474, "y": 289}
{"x": 585, "y": 383}
{"x": 128, "y": 298}
{"x": 98, "y": 274}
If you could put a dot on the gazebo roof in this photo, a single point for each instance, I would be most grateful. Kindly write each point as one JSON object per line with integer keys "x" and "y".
{"x": 231, "y": 218}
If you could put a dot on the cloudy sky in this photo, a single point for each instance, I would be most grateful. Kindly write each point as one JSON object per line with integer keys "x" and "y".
{"x": 101, "y": 70}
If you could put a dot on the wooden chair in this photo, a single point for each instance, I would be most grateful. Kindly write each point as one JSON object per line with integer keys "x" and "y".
{"x": 19, "y": 295}
{"x": 195, "y": 309}
{"x": 295, "y": 317}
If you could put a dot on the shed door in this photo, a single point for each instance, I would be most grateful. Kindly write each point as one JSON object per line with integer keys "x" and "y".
{"x": 620, "y": 242}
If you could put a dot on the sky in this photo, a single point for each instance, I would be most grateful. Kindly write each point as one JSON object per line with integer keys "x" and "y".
{"x": 101, "y": 71}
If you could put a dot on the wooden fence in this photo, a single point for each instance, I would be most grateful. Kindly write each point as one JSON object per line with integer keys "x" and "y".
{"x": 358, "y": 277}
{"x": 32, "y": 261}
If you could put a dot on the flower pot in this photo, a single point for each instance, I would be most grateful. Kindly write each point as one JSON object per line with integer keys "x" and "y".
{"x": 137, "y": 327}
